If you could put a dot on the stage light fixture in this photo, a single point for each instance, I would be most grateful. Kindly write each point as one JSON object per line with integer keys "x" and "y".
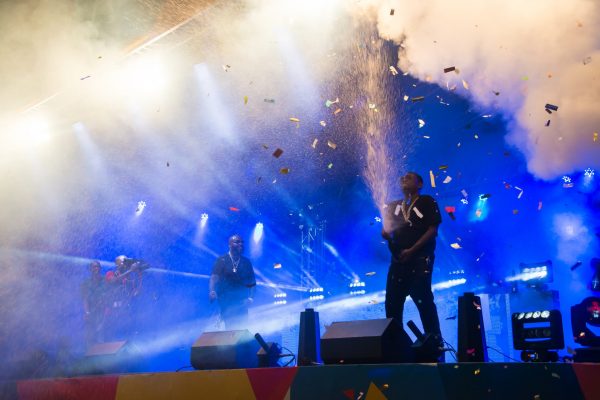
{"x": 258, "y": 232}
{"x": 537, "y": 332}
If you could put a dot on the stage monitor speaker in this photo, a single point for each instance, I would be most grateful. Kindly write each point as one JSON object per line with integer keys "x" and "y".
{"x": 367, "y": 341}
{"x": 471, "y": 332}
{"x": 108, "y": 357}
{"x": 308, "y": 340}
{"x": 225, "y": 350}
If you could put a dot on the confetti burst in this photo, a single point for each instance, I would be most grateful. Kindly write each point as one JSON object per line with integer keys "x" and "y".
{"x": 589, "y": 172}
{"x": 566, "y": 179}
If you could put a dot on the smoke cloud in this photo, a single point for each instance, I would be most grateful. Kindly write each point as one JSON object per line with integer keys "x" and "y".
{"x": 514, "y": 57}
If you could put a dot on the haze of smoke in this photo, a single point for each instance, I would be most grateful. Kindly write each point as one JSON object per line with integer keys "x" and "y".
{"x": 531, "y": 53}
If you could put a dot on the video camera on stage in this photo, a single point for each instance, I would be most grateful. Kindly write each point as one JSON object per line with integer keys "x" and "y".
{"x": 134, "y": 264}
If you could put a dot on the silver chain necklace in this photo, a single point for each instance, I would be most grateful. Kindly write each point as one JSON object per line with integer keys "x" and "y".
{"x": 235, "y": 263}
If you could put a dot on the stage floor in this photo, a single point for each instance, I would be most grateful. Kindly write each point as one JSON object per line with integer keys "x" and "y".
{"x": 512, "y": 381}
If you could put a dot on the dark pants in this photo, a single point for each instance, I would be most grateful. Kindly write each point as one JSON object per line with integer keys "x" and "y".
{"x": 413, "y": 279}
{"x": 234, "y": 314}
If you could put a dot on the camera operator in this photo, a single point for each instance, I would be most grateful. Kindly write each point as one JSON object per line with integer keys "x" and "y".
{"x": 124, "y": 285}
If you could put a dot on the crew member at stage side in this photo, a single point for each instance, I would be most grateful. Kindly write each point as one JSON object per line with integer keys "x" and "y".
{"x": 93, "y": 291}
{"x": 232, "y": 284}
{"x": 410, "y": 227}
{"x": 123, "y": 286}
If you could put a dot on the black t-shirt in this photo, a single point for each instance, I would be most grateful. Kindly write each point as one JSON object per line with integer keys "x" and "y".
{"x": 233, "y": 286}
{"x": 406, "y": 232}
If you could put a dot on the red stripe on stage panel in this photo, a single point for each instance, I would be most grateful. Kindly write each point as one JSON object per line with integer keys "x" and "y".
{"x": 271, "y": 383}
{"x": 89, "y": 388}
{"x": 587, "y": 376}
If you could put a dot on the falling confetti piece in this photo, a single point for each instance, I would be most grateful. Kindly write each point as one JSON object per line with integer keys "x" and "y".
{"x": 539, "y": 206}
{"x": 450, "y": 209}
{"x": 140, "y": 207}
{"x": 314, "y": 143}
{"x": 339, "y": 110}
{"x": 478, "y": 213}
{"x": 432, "y": 178}
{"x": 85, "y": 77}
{"x": 450, "y": 318}
{"x": 595, "y": 136}
{"x": 476, "y": 136}
{"x": 551, "y": 107}
{"x": 455, "y": 246}
{"x": 477, "y": 371}
{"x": 277, "y": 153}
{"x": 331, "y": 144}
{"x": 465, "y": 84}
{"x": 386, "y": 386}
{"x": 443, "y": 167}
{"x": 372, "y": 105}
{"x": 328, "y": 103}
{"x": 245, "y": 100}
{"x": 226, "y": 67}
{"x": 234, "y": 209}
{"x": 330, "y": 166}
{"x": 323, "y": 123}
{"x": 168, "y": 165}
{"x": 265, "y": 146}
{"x": 406, "y": 98}
{"x": 427, "y": 137}
{"x": 458, "y": 144}
{"x": 293, "y": 119}
{"x": 393, "y": 70}
{"x": 418, "y": 98}
{"x": 392, "y": 11}
{"x": 370, "y": 273}
{"x": 485, "y": 196}
{"x": 555, "y": 375}
{"x": 587, "y": 60}
{"x": 284, "y": 171}
{"x": 277, "y": 266}
{"x": 515, "y": 212}
{"x": 421, "y": 123}
{"x": 269, "y": 100}
{"x": 449, "y": 69}
{"x": 548, "y": 123}
{"x": 464, "y": 193}
{"x": 447, "y": 180}
{"x": 496, "y": 93}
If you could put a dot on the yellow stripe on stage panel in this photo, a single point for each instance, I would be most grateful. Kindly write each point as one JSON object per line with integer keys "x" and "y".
{"x": 217, "y": 384}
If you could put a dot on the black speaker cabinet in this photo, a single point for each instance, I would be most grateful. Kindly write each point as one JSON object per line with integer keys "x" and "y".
{"x": 365, "y": 342}
{"x": 225, "y": 350}
{"x": 471, "y": 332}
{"x": 109, "y": 357}
{"x": 308, "y": 338}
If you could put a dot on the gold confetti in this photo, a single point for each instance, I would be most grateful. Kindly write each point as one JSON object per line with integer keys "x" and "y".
{"x": 465, "y": 84}
{"x": 293, "y": 119}
{"x": 595, "y": 136}
{"x": 331, "y": 144}
{"x": 432, "y": 178}
{"x": 284, "y": 171}
{"x": 314, "y": 143}
{"x": 418, "y": 98}
{"x": 277, "y": 266}
{"x": 245, "y": 100}
{"x": 455, "y": 246}
{"x": 393, "y": 70}
{"x": 339, "y": 110}
{"x": 477, "y": 371}
{"x": 443, "y": 167}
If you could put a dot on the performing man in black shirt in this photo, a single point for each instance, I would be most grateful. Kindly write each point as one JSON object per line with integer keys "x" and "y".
{"x": 410, "y": 227}
{"x": 232, "y": 283}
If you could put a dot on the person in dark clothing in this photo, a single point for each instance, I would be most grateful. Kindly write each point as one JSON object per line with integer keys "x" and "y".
{"x": 93, "y": 292}
{"x": 410, "y": 227}
{"x": 232, "y": 284}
